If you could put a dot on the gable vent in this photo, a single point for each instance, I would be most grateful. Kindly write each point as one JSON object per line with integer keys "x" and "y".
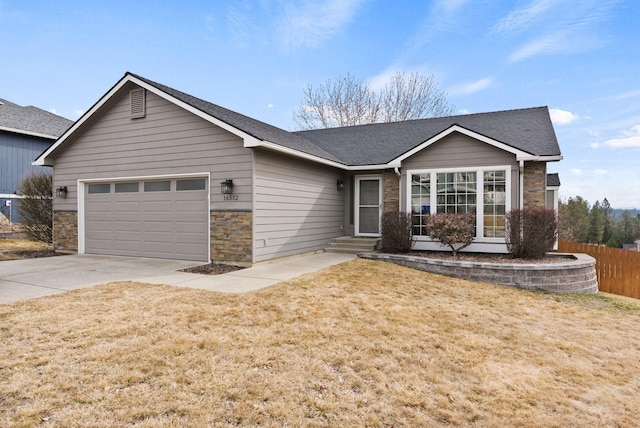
{"x": 137, "y": 101}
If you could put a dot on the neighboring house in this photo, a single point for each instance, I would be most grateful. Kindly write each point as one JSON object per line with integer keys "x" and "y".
{"x": 25, "y": 132}
{"x": 148, "y": 171}
{"x": 633, "y": 247}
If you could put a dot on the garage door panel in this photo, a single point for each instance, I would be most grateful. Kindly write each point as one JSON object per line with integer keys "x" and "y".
{"x": 128, "y": 226}
{"x": 190, "y": 228}
{"x": 156, "y": 226}
{"x": 168, "y": 224}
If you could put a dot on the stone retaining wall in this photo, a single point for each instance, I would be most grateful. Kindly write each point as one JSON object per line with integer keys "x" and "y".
{"x": 575, "y": 275}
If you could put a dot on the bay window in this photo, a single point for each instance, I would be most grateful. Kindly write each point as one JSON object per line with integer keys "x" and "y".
{"x": 481, "y": 191}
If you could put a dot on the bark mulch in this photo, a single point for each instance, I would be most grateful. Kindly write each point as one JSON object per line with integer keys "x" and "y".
{"x": 213, "y": 269}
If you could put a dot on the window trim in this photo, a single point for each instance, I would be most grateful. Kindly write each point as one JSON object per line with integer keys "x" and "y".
{"x": 479, "y": 170}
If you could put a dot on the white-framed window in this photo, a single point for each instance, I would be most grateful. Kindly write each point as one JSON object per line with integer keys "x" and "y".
{"x": 484, "y": 191}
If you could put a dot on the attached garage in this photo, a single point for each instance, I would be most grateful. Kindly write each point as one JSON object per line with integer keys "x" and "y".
{"x": 153, "y": 217}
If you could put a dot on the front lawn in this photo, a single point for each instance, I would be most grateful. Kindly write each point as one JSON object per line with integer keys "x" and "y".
{"x": 364, "y": 343}
{"x": 15, "y": 249}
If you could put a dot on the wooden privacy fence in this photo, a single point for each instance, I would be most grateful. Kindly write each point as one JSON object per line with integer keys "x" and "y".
{"x": 618, "y": 270}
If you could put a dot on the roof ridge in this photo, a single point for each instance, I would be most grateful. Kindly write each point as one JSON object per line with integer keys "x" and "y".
{"x": 426, "y": 119}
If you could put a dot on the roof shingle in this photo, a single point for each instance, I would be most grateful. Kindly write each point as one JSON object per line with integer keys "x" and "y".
{"x": 32, "y": 120}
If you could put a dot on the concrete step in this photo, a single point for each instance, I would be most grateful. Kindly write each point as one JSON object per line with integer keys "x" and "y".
{"x": 352, "y": 245}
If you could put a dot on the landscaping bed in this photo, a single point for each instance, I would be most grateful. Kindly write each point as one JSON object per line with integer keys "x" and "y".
{"x": 213, "y": 269}
{"x": 566, "y": 273}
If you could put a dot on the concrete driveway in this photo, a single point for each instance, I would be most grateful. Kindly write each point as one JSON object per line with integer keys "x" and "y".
{"x": 26, "y": 279}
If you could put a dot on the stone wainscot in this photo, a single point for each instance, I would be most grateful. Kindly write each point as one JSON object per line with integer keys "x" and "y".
{"x": 576, "y": 273}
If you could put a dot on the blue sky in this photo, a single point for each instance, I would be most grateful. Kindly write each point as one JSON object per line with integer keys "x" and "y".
{"x": 580, "y": 58}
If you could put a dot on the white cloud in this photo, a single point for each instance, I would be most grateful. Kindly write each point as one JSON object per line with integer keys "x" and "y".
{"x": 576, "y": 171}
{"x": 520, "y": 19}
{"x": 78, "y": 112}
{"x": 378, "y": 82}
{"x": 557, "y": 27}
{"x": 471, "y": 88}
{"x": 626, "y": 95}
{"x": 449, "y": 6}
{"x": 562, "y": 117}
{"x": 594, "y": 145}
{"x": 309, "y": 23}
{"x": 269, "y": 105}
{"x": 630, "y": 138}
{"x": 551, "y": 43}
{"x": 464, "y": 111}
{"x": 600, "y": 171}
{"x": 54, "y": 111}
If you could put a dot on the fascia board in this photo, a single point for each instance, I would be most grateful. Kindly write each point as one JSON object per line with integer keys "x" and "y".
{"x": 292, "y": 152}
{"x": 520, "y": 155}
{"x": 317, "y": 159}
{"x": 30, "y": 133}
{"x": 42, "y": 159}
{"x": 250, "y": 139}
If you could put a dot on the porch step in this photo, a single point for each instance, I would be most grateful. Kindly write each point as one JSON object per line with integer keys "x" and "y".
{"x": 352, "y": 245}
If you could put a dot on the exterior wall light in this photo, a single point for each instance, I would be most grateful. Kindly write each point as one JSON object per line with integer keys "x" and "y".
{"x": 61, "y": 192}
{"x": 340, "y": 184}
{"x": 226, "y": 187}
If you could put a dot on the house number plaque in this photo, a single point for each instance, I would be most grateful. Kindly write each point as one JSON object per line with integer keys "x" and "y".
{"x": 230, "y": 197}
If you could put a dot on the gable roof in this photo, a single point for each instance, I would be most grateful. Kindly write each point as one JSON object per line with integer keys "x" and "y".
{"x": 31, "y": 121}
{"x": 528, "y": 133}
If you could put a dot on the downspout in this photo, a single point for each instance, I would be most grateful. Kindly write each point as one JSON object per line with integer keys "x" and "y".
{"x": 397, "y": 171}
{"x": 521, "y": 185}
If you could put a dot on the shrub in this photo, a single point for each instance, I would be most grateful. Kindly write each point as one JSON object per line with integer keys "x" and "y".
{"x": 36, "y": 206}
{"x": 454, "y": 230}
{"x": 396, "y": 232}
{"x": 531, "y": 232}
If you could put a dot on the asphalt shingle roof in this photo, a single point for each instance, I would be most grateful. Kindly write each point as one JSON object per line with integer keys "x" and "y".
{"x": 553, "y": 179}
{"x": 529, "y": 130}
{"x": 32, "y": 120}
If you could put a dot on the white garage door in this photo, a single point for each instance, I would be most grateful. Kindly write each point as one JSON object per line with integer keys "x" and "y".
{"x": 160, "y": 218}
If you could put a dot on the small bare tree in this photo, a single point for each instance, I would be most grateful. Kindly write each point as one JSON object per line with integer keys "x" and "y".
{"x": 349, "y": 101}
{"x": 36, "y": 206}
{"x": 456, "y": 231}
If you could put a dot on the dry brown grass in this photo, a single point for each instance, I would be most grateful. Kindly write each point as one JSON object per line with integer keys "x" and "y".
{"x": 360, "y": 344}
{"x": 10, "y": 246}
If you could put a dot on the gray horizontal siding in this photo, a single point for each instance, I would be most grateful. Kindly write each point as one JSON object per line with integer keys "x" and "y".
{"x": 461, "y": 151}
{"x": 458, "y": 150}
{"x": 297, "y": 206}
{"x": 168, "y": 140}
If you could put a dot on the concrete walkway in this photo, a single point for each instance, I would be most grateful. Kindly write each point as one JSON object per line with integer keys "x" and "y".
{"x": 26, "y": 279}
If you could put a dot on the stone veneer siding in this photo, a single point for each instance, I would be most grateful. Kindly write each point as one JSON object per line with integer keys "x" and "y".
{"x": 65, "y": 230}
{"x": 231, "y": 236}
{"x": 391, "y": 191}
{"x": 576, "y": 275}
{"x": 535, "y": 184}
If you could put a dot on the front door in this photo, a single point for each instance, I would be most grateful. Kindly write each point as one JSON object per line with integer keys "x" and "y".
{"x": 368, "y": 206}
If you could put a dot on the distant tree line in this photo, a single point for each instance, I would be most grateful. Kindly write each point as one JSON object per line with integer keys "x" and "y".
{"x": 598, "y": 223}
